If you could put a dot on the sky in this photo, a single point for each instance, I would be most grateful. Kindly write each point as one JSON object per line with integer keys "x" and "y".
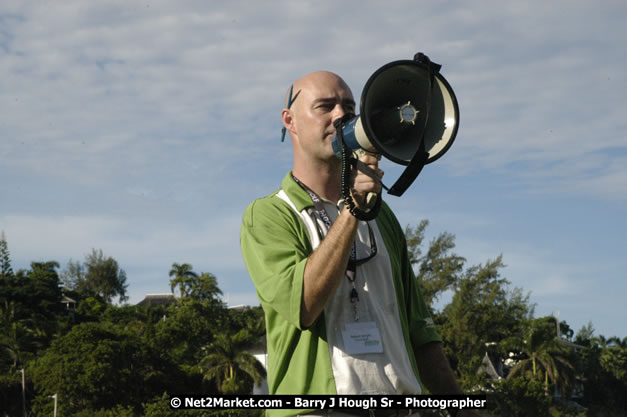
{"x": 145, "y": 128}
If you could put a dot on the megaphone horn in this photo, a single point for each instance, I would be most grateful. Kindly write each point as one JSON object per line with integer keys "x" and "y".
{"x": 408, "y": 113}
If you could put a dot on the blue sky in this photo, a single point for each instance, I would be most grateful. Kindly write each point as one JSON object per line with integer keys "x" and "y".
{"x": 145, "y": 128}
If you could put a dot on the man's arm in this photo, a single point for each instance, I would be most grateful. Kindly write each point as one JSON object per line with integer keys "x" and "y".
{"x": 436, "y": 373}
{"x": 326, "y": 266}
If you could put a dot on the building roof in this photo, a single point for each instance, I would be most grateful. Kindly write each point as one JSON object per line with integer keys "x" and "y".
{"x": 488, "y": 367}
{"x": 157, "y": 300}
{"x": 67, "y": 300}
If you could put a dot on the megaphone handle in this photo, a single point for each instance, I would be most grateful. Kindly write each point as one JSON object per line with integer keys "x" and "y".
{"x": 365, "y": 169}
{"x": 372, "y": 213}
{"x": 370, "y": 197}
{"x": 369, "y": 172}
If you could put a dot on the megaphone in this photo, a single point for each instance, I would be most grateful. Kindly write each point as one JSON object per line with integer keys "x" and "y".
{"x": 408, "y": 113}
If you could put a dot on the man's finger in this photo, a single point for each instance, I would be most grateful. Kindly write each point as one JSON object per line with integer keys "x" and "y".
{"x": 362, "y": 167}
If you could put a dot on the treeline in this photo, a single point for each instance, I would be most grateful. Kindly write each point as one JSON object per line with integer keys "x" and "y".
{"x": 101, "y": 360}
{"x": 527, "y": 366}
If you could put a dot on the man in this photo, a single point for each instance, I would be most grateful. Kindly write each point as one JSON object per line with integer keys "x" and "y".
{"x": 343, "y": 310}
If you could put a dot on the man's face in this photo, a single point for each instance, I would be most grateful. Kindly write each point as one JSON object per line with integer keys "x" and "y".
{"x": 322, "y": 98}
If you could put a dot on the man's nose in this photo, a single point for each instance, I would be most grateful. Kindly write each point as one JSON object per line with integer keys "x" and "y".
{"x": 338, "y": 112}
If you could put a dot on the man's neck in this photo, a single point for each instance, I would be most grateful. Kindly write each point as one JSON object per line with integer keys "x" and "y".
{"x": 323, "y": 180}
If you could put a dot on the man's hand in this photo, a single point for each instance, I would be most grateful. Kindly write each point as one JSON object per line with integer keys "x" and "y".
{"x": 362, "y": 184}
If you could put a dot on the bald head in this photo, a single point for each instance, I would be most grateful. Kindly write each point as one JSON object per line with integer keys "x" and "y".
{"x": 312, "y": 82}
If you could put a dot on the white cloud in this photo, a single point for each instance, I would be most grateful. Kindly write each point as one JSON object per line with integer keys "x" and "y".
{"x": 145, "y": 128}
{"x": 132, "y": 240}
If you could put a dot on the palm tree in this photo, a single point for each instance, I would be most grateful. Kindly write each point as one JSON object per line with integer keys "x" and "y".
{"x": 204, "y": 287}
{"x": 183, "y": 278}
{"x": 227, "y": 361}
{"x": 548, "y": 357}
{"x": 613, "y": 355}
{"x": 17, "y": 336}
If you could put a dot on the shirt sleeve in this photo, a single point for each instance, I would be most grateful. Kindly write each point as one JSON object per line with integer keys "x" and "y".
{"x": 419, "y": 323}
{"x": 275, "y": 246}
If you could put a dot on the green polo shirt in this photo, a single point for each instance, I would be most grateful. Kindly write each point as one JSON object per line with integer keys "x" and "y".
{"x": 276, "y": 245}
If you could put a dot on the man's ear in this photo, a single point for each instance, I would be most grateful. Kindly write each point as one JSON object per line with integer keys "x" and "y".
{"x": 287, "y": 116}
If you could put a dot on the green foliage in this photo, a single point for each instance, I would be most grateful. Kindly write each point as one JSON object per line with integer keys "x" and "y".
{"x": 30, "y": 310}
{"x": 520, "y": 397}
{"x": 544, "y": 357}
{"x": 613, "y": 360}
{"x": 98, "y": 276}
{"x": 182, "y": 277}
{"x": 6, "y": 271}
{"x": 439, "y": 269}
{"x": 44, "y": 295}
{"x": 96, "y": 366}
{"x": 602, "y": 365}
{"x": 414, "y": 237}
{"x": 568, "y": 410}
{"x": 19, "y": 338}
{"x": 106, "y": 360}
{"x": 186, "y": 327}
{"x": 251, "y": 318}
{"x": 203, "y": 287}
{"x": 482, "y": 313}
{"x": 228, "y": 361}
{"x": 90, "y": 309}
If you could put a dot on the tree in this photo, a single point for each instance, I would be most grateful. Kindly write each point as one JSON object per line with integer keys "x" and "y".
{"x": 18, "y": 337}
{"x": 251, "y": 318}
{"x": 520, "y": 397}
{"x": 183, "y": 278}
{"x": 614, "y": 361}
{"x": 227, "y": 361}
{"x": 545, "y": 358}
{"x": 44, "y": 295}
{"x": 186, "y": 327}
{"x": 98, "y": 276}
{"x": 603, "y": 391}
{"x": 483, "y": 312}
{"x": 205, "y": 288}
{"x": 5, "y": 260}
{"x": 73, "y": 273}
{"x": 98, "y": 366}
{"x": 29, "y": 312}
{"x": 438, "y": 269}
{"x": 414, "y": 237}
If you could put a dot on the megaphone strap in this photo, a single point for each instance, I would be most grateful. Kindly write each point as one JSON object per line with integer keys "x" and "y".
{"x": 411, "y": 171}
{"x": 421, "y": 156}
